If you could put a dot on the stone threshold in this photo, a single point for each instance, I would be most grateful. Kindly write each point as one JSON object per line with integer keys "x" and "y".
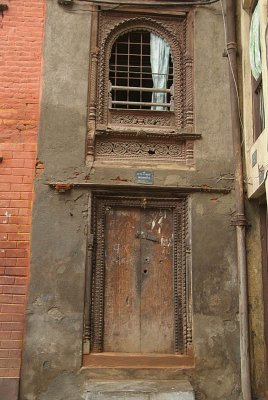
{"x": 139, "y": 390}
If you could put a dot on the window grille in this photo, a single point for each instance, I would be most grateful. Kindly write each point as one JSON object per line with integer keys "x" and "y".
{"x": 130, "y": 75}
{"x": 259, "y": 111}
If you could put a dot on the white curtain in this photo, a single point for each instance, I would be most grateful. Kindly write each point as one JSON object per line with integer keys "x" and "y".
{"x": 254, "y": 44}
{"x": 159, "y": 56}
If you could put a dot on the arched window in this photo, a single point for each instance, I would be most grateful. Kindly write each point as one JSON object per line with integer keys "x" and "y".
{"x": 141, "y": 72}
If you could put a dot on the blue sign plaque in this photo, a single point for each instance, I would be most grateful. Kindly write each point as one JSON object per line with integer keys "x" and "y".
{"x": 145, "y": 177}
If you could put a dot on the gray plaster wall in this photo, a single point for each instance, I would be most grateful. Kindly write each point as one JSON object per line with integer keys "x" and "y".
{"x": 52, "y": 358}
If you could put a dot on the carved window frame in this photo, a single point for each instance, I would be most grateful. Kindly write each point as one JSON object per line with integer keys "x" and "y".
{"x": 177, "y": 31}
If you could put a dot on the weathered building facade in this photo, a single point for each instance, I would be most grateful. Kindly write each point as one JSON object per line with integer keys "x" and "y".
{"x": 134, "y": 277}
{"x": 126, "y": 168}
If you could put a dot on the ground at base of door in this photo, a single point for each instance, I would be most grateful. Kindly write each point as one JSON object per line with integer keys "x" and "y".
{"x": 139, "y": 390}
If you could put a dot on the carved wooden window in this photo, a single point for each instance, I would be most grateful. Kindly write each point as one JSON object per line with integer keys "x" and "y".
{"x": 141, "y": 72}
{"x": 122, "y": 89}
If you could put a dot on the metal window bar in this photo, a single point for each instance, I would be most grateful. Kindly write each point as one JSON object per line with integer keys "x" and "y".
{"x": 261, "y": 107}
{"x": 259, "y": 110}
{"x": 131, "y": 84}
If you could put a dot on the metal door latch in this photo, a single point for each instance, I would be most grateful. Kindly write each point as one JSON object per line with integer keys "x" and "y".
{"x": 141, "y": 235}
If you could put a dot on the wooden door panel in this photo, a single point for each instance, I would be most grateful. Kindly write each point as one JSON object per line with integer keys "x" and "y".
{"x": 122, "y": 281}
{"x": 157, "y": 311}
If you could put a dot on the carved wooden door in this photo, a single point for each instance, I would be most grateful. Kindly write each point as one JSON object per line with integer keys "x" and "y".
{"x": 139, "y": 303}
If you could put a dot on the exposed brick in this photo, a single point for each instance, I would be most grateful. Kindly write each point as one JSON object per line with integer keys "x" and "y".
{"x": 4, "y": 187}
{"x": 10, "y": 344}
{"x": 9, "y": 362}
{"x": 18, "y": 299}
{"x": 5, "y": 335}
{"x": 4, "y": 353}
{"x": 23, "y": 245}
{"x": 15, "y": 271}
{"x": 4, "y": 203}
{"x": 20, "y": 203}
{"x": 11, "y": 326}
{"x": 22, "y": 172}
{"x": 10, "y": 195}
{"x": 24, "y": 211}
{"x": 6, "y": 171}
{"x": 20, "y": 281}
{"x": 25, "y": 228}
{"x": 19, "y": 236}
{"x": 8, "y": 212}
{"x": 22, "y": 262}
{"x": 20, "y": 220}
{"x": 11, "y": 179}
{"x": 12, "y": 309}
{"x": 8, "y": 245}
{"x": 14, "y": 163}
{"x": 17, "y": 335}
{"x": 7, "y": 280}
{"x": 20, "y": 69}
{"x": 24, "y": 187}
{"x": 13, "y": 289}
{"x": 9, "y": 372}
{"x": 8, "y": 228}
{"x": 3, "y": 237}
{"x": 7, "y": 262}
{"x": 6, "y": 298}
{"x": 18, "y": 317}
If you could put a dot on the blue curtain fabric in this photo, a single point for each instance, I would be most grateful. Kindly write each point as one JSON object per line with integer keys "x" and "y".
{"x": 254, "y": 44}
{"x": 159, "y": 57}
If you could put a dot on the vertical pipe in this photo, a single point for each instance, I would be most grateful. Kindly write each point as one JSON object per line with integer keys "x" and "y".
{"x": 239, "y": 220}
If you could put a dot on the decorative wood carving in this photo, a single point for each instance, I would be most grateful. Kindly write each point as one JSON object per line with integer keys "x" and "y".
{"x": 157, "y": 119}
{"x": 92, "y": 98}
{"x": 101, "y": 205}
{"x": 177, "y": 30}
{"x": 135, "y": 149}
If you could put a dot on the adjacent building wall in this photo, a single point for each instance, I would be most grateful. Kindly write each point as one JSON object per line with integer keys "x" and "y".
{"x": 256, "y": 162}
{"x": 20, "y": 69}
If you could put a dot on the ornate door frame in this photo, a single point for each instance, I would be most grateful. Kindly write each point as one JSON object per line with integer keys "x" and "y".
{"x": 94, "y": 310}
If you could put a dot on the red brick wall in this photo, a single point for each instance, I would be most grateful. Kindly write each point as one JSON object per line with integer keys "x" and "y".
{"x": 20, "y": 72}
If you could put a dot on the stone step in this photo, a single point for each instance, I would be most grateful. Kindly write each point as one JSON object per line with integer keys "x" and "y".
{"x": 139, "y": 390}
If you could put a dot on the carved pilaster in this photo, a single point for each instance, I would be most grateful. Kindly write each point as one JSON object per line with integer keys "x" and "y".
{"x": 189, "y": 114}
{"x": 92, "y": 103}
{"x": 189, "y": 152}
{"x": 92, "y": 96}
{"x": 189, "y": 110}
